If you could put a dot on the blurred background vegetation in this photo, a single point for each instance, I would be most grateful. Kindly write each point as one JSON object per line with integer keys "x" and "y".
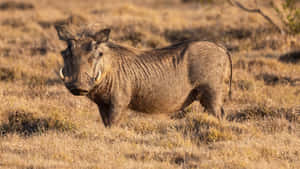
{"x": 43, "y": 126}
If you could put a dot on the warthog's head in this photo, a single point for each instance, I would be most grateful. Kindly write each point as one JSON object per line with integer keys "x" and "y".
{"x": 84, "y": 63}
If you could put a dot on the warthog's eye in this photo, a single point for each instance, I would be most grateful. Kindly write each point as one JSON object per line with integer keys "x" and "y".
{"x": 96, "y": 57}
{"x": 63, "y": 52}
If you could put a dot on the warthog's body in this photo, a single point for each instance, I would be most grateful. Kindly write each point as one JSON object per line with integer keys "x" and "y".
{"x": 156, "y": 81}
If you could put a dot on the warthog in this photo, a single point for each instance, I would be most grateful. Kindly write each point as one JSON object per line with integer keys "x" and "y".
{"x": 165, "y": 80}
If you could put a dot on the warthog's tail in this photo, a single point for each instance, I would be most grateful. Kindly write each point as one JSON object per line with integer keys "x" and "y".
{"x": 230, "y": 80}
{"x": 230, "y": 62}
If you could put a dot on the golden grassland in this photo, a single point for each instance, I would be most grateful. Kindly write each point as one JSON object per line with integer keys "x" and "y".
{"x": 43, "y": 126}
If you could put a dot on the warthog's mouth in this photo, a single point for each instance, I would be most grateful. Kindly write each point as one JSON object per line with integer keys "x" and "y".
{"x": 78, "y": 92}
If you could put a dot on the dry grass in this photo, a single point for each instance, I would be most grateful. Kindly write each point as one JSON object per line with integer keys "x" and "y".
{"x": 43, "y": 126}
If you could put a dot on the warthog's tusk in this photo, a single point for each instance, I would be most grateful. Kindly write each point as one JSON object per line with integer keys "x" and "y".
{"x": 98, "y": 77}
{"x": 61, "y": 75}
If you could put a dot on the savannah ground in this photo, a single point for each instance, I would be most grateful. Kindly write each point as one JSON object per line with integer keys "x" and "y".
{"x": 43, "y": 126}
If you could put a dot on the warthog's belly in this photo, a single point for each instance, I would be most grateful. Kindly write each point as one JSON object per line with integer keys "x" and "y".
{"x": 162, "y": 96}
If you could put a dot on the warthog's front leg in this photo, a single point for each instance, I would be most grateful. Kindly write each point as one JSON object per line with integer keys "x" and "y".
{"x": 115, "y": 115}
{"x": 111, "y": 114}
{"x": 104, "y": 112}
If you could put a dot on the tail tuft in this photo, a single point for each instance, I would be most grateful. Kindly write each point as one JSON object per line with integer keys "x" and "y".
{"x": 230, "y": 81}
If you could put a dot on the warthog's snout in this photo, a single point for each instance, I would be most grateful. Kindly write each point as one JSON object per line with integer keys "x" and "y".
{"x": 80, "y": 86}
{"x": 76, "y": 89}
{"x": 89, "y": 78}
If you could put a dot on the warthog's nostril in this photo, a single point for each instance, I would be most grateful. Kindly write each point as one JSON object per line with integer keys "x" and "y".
{"x": 78, "y": 92}
{"x": 61, "y": 75}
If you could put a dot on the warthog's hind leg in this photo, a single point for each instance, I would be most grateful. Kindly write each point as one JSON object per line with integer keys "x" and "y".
{"x": 211, "y": 100}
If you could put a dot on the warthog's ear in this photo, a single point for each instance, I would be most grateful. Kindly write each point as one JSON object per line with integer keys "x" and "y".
{"x": 63, "y": 33}
{"x": 102, "y": 35}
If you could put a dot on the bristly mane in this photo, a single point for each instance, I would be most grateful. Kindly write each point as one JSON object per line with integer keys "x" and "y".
{"x": 116, "y": 47}
{"x": 140, "y": 65}
{"x": 175, "y": 50}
